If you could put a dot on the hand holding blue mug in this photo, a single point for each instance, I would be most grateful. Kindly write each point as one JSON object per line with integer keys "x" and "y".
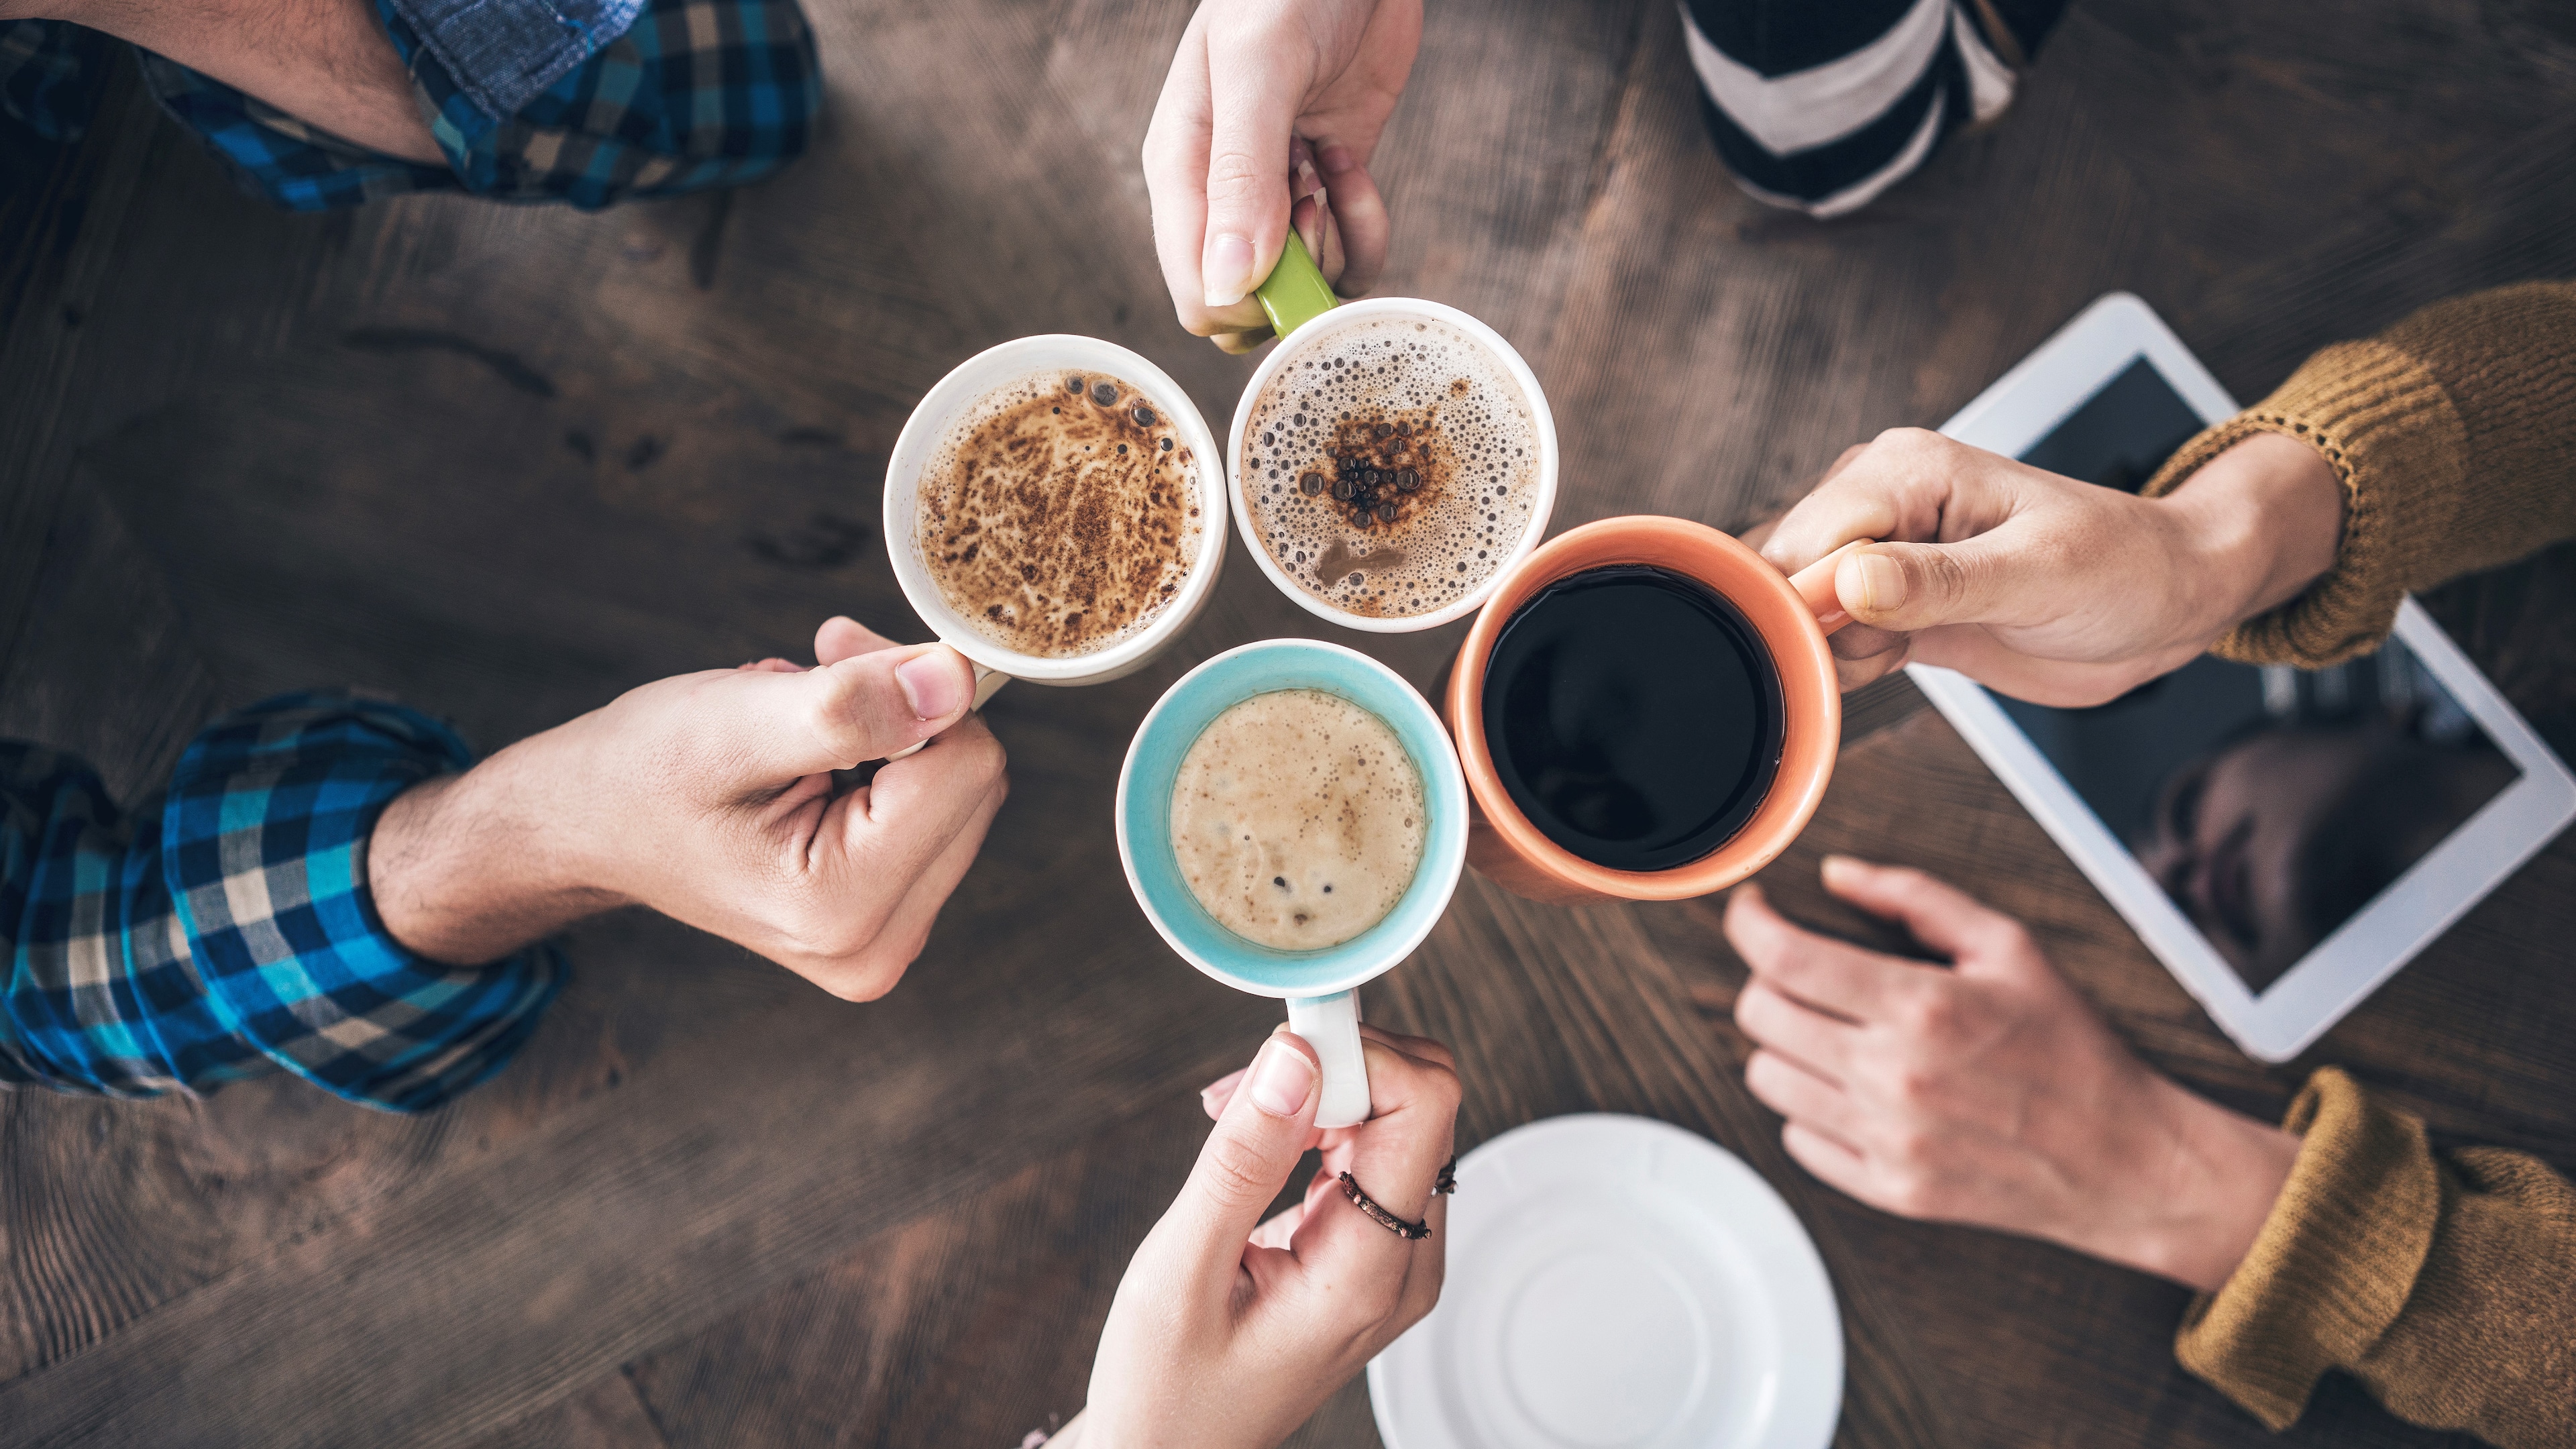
{"x": 1230, "y": 1330}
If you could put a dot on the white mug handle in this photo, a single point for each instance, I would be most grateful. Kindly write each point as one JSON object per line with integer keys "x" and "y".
{"x": 1331, "y": 1025}
{"x": 988, "y": 682}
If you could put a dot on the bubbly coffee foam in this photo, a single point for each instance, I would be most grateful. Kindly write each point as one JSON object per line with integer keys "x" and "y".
{"x": 1297, "y": 819}
{"x": 1390, "y": 466}
{"x": 1061, "y": 513}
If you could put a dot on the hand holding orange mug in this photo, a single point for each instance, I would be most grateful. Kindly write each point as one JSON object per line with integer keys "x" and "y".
{"x": 1645, "y": 710}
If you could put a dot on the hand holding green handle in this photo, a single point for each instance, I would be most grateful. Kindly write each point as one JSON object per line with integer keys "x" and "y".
{"x": 1296, "y": 292}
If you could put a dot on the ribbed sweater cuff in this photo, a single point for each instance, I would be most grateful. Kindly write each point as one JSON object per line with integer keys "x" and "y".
{"x": 2335, "y": 1262}
{"x": 2396, "y": 442}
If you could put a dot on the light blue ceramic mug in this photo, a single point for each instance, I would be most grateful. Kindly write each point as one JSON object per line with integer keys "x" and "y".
{"x": 1321, "y": 987}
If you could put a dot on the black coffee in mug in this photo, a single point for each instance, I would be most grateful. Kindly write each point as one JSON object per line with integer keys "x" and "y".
{"x": 1634, "y": 715}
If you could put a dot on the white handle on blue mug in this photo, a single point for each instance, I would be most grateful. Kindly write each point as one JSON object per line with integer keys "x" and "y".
{"x": 1331, "y": 1025}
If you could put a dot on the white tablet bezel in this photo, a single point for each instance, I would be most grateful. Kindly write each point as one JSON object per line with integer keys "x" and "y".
{"x": 2020, "y": 409}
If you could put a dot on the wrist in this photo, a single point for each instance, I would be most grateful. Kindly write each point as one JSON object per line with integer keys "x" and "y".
{"x": 2215, "y": 1176}
{"x": 472, "y": 867}
{"x": 2262, "y": 521}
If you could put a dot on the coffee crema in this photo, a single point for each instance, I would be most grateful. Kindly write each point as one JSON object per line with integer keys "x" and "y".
{"x": 1297, "y": 819}
{"x": 1391, "y": 467}
{"x": 1061, "y": 514}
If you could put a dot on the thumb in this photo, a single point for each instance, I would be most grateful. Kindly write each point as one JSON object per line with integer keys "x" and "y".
{"x": 1247, "y": 170}
{"x": 1902, "y": 587}
{"x": 841, "y": 715}
{"x": 1249, "y": 1155}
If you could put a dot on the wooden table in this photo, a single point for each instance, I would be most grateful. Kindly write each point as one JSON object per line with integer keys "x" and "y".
{"x": 507, "y": 462}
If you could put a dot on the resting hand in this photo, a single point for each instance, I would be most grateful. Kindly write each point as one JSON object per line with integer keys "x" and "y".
{"x": 1272, "y": 104}
{"x": 1987, "y": 1092}
{"x": 1227, "y": 1331}
{"x": 2050, "y": 589}
{"x": 709, "y": 797}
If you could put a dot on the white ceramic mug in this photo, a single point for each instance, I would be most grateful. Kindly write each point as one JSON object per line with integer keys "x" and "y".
{"x": 929, "y": 426}
{"x": 1318, "y": 330}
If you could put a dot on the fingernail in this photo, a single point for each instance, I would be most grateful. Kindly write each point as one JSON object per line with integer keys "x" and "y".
{"x": 1281, "y": 1079}
{"x": 1227, "y": 270}
{"x": 1307, "y": 180}
{"x": 1882, "y": 583}
{"x": 931, "y": 687}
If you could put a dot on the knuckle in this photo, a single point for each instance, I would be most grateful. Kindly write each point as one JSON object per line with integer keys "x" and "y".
{"x": 848, "y": 937}
{"x": 1235, "y": 176}
{"x": 866, "y": 972}
{"x": 1907, "y": 1083}
{"x": 992, "y": 763}
{"x": 1441, "y": 1084}
{"x": 865, "y": 983}
{"x": 857, "y": 935}
{"x": 1943, "y": 576}
{"x": 1911, "y": 442}
{"x": 1234, "y": 1172}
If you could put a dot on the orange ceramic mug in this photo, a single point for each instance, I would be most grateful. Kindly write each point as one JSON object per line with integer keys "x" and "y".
{"x": 1792, "y": 616}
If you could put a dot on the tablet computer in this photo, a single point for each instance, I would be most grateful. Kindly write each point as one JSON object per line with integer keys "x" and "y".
{"x": 2284, "y": 840}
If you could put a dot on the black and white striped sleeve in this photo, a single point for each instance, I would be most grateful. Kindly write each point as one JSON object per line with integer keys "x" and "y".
{"x": 1822, "y": 106}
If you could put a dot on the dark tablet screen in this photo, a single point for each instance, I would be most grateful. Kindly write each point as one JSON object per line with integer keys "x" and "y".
{"x": 2271, "y": 803}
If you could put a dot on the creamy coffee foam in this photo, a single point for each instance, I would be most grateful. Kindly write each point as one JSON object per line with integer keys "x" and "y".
{"x": 1297, "y": 819}
{"x": 1061, "y": 513}
{"x": 1390, "y": 466}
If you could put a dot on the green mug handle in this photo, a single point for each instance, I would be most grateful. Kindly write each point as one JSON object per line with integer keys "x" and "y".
{"x": 1296, "y": 292}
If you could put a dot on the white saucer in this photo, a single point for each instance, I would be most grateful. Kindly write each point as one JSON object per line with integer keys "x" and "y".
{"x": 1617, "y": 1283}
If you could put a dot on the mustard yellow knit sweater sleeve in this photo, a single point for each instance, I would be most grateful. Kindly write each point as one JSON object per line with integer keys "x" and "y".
{"x": 2445, "y": 1282}
{"x": 2454, "y": 433}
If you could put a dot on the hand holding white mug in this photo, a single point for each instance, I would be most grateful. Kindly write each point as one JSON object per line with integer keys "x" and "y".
{"x": 2047, "y": 588}
{"x": 1269, "y": 105}
{"x": 1228, "y": 1331}
{"x": 709, "y": 797}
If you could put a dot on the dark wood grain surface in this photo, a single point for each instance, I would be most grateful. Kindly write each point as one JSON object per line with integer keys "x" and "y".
{"x": 506, "y": 462}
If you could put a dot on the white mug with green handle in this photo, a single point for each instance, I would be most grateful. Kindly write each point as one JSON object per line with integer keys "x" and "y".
{"x": 1306, "y": 314}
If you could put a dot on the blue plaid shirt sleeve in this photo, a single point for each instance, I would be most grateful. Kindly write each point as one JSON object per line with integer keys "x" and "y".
{"x": 587, "y": 102}
{"x": 228, "y": 929}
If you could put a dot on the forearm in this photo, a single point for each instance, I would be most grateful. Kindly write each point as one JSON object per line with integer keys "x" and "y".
{"x": 327, "y": 62}
{"x": 472, "y": 867}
